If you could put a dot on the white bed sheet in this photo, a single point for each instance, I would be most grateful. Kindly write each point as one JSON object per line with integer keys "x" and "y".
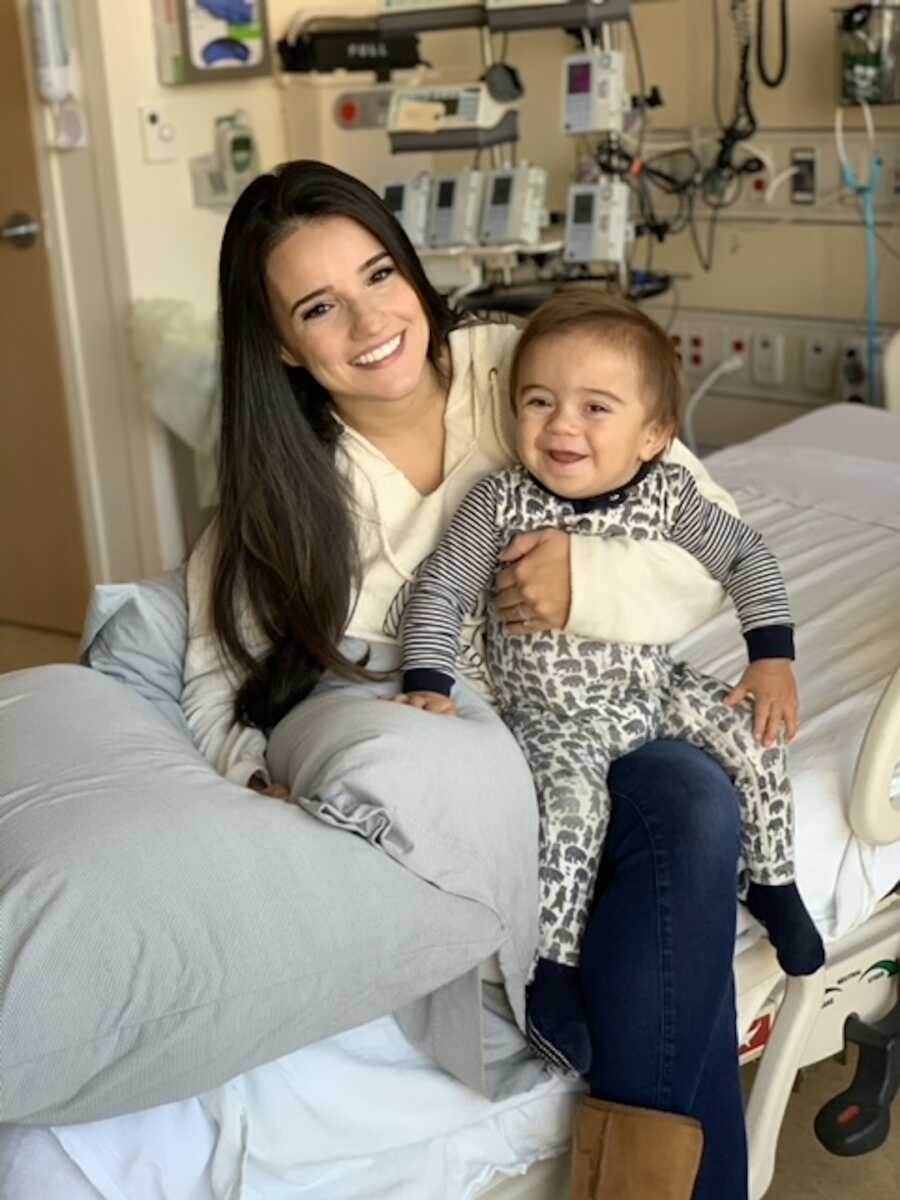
{"x": 364, "y": 1116}
{"x": 360, "y": 1116}
{"x": 833, "y": 520}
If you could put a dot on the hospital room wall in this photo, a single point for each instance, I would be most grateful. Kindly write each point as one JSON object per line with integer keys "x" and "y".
{"x": 171, "y": 245}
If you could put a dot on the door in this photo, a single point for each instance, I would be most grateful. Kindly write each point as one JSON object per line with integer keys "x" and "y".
{"x": 43, "y": 566}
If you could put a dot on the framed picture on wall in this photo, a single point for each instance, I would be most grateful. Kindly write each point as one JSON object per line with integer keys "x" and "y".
{"x": 205, "y": 41}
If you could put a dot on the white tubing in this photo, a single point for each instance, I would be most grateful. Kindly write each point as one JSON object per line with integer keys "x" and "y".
{"x": 776, "y": 183}
{"x": 727, "y": 367}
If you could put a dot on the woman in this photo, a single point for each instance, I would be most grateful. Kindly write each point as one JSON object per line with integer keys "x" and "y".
{"x": 357, "y": 411}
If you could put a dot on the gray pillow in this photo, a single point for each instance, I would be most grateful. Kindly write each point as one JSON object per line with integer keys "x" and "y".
{"x": 137, "y": 633}
{"x": 450, "y": 798}
{"x": 162, "y": 930}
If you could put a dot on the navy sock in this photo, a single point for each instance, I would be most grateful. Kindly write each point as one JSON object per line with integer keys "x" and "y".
{"x": 557, "y": 1024}
{"x": 780, "y": 909}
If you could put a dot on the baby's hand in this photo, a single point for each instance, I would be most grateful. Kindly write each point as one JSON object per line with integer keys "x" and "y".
{"x": 771, "y": 683}
{"x": 427, "y": 701}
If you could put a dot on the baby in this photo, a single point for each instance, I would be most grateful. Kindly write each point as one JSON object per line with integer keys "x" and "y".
{"x": 596, "y": 387}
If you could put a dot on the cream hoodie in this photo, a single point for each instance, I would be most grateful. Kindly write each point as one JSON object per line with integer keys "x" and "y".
{"x": 622, "y": 591}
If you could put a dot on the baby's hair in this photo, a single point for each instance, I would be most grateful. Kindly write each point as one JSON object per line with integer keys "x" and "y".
{"x": 617, "y": 323}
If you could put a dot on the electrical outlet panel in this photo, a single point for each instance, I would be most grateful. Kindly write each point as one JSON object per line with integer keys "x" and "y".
{"x": 819, "y": 364}
{"x": 795, "y": 361}
{"x": 803, "y": 181}
{"x": 767, "y": 357}
{"x": 695, "y": 350}
{"x": 853, "y": 370}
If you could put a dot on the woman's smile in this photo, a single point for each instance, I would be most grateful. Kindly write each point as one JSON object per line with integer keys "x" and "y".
{"x": 382, "y": 355}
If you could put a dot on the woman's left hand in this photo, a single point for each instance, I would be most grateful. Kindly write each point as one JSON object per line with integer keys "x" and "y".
{"x": 535, "y": 591}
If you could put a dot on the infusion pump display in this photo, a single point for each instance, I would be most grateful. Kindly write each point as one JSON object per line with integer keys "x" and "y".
{"x": 593, "y": 92}
{"x": 456, "y": 209}
{"x": 409, "y": 201}
{"x": 502, "y": 207}
{"x": 597, "y": 222}
{"x": 513, "y": 206}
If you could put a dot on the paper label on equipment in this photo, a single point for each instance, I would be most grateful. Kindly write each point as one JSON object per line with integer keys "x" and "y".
{"x": 418, "y": 116}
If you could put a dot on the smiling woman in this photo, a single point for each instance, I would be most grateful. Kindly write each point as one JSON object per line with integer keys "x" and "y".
{"x": 346, "y": 314}
{"x": 314, "y": 276}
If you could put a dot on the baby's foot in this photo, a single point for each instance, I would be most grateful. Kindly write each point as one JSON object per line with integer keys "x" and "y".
{"x": 780, "y": 909}
{"x": 555, "y": 1017}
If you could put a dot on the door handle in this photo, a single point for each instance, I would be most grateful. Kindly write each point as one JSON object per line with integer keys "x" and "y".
{"x": 20, "y": 229}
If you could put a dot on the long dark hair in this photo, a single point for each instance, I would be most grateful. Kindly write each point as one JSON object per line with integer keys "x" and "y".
{"x": 285, "y": 545}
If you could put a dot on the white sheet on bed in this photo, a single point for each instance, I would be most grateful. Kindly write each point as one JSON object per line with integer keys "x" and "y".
{"x": 361, "y": 1116}
{"x": 364, "y": 1116}
{"x": 833, "y": 520}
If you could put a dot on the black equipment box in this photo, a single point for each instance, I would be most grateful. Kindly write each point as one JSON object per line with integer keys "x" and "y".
{"x": 361, "y": 48}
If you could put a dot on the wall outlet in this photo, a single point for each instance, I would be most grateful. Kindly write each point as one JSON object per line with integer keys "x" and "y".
{"x": 804, "y": 181}
{"x": 695, "y": 349}
{"x": 819, "y": 365}
{"x": 737, "y": 339}
{"x": 767, "y": 358}
{"x": 853, "y": 379}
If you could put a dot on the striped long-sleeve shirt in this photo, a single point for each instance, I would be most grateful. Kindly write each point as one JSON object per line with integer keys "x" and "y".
{"x": 663, "y": 502}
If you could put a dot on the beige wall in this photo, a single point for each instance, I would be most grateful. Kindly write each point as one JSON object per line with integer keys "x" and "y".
{"x": 172, "y": 245}
{"x": 804, "y": 270}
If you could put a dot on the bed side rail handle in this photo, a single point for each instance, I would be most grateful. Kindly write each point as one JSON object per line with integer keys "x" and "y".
{"x": 872, "y": 816}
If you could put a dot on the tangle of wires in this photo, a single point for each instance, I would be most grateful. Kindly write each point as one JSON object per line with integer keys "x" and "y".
{"x": 722, "y": 183}
{"x": 672, "y": 187}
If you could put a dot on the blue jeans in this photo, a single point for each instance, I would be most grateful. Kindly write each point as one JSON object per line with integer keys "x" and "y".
{"x": 656, "y": 967}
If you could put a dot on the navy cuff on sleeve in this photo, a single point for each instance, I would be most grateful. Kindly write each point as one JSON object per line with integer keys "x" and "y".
{"x": 770, "y": 641}
{"x": 425, "y": 679}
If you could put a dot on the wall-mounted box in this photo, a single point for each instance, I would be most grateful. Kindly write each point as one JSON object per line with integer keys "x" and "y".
{"x": 206, "y": 41}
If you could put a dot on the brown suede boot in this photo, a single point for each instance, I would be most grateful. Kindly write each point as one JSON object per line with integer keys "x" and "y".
{"x": 624, "y": 1153}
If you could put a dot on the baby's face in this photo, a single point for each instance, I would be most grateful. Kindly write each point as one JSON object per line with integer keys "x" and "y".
{"x": 583, "y": 424}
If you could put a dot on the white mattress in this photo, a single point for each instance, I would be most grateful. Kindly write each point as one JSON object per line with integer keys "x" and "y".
{"x": 364, "y": 1116}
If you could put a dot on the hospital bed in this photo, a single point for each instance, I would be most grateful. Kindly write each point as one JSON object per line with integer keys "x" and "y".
{"x": 365, "y": 1115}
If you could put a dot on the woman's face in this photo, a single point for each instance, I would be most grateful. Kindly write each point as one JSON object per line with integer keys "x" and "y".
{"x": 345, "y": 313}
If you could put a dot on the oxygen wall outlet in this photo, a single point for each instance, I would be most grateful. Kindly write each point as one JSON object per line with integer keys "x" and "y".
{"x": 767, "y": 358}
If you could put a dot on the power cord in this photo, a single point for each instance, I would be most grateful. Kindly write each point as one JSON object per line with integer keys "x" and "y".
{"x": 728, "y": 366}
{"x": 772, "y": 81}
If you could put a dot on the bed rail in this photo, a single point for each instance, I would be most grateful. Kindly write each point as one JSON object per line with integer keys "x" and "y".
{"x": 872, "y": 816}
